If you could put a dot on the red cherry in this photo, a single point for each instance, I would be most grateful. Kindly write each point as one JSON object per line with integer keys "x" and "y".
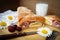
{"x": 19, "y": 28}
{"x": 53, "y": 20}
{"x": 11, "y": 28}
{"x": 15, "y": 26}
{"x": 59, "y": 21}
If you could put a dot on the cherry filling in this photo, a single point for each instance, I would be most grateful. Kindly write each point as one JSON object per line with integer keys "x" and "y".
{"x": 26, "y": 24}
{"x": 56, "y": 23}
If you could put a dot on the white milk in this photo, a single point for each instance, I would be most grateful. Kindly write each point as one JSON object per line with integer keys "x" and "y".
{"x": 41, "y": 9}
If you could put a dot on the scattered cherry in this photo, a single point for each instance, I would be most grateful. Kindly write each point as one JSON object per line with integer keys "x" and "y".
{"x": 11, "y": 28}
{"x": 53, "y": 20}
{"x": 19, "y": 28}
{"x": 15, "y": 26}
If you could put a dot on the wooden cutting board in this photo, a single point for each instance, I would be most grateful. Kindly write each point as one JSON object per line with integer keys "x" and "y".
{"x": 30, "y": 37}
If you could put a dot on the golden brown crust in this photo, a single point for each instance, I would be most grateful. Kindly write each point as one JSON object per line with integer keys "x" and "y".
{"x": 54, "y": 17}
{"x": 23, "y": 11}
{"x": 25, "y": 14}
{"x": 32, "y": 18}
{"x": 53, "y": 20}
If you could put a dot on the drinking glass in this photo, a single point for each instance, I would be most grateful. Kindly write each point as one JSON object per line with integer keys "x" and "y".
{"x": 41, "y": 9}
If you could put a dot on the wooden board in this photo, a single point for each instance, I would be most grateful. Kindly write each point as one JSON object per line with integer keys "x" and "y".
{"x": 30, "y": 37}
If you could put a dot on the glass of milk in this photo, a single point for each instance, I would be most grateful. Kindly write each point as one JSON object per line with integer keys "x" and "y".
{"x": 41, "y": 9}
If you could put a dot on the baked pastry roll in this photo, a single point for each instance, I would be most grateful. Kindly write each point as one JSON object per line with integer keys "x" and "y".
{"x": 31, "y": 21}
{"x": 53, "y": 20}
{"x": 26, "y": 18}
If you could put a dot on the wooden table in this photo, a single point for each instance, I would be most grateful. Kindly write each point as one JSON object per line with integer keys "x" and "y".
{"x": 30, "y": 37}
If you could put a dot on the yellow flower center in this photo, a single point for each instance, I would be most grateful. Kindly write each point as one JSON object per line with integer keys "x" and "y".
{"x": 3, "y": 23}
{"x": 10, "y": 17}
{"x": 44, "y": 31}
{"x": 0, "y": 23}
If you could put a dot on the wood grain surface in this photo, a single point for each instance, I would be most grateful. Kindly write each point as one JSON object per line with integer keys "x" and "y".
{"x": 30, "y": 37}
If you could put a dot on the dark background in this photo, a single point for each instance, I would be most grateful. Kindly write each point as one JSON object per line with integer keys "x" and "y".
{"x": 54, "y": 5}
{"x": 8, "y": 4}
